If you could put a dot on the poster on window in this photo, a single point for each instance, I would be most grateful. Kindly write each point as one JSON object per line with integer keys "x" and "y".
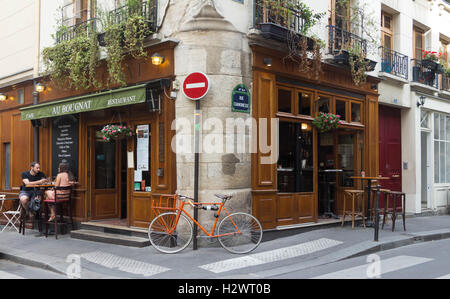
{"x": 142, "y": 148}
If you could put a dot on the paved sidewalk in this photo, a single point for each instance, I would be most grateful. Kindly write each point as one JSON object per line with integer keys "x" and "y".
{"x": 99, "y": 260}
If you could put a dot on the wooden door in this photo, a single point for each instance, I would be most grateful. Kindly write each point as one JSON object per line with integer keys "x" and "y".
{"x": 390, "y": 145}
{"x": 104, "y": 176}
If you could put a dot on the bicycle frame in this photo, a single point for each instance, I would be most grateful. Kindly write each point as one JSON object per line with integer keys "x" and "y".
{"x": 221, "y": 207}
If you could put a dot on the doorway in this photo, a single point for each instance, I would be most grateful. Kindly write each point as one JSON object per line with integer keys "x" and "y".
{"x": 425, "y": 168}
{"x": 108, "y": 178}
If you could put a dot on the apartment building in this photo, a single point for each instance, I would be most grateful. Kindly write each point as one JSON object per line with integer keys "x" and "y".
{"x": 246, "y": 48}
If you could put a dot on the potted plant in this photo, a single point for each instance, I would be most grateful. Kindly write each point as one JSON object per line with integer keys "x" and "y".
{"x": 116, "y": 132}
{"x": 430, "y": 60}
{"x": 327, "y": 121}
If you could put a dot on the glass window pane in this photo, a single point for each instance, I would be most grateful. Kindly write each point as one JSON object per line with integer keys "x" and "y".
{"x": 142, "y": 158}
{"x": 436, "y": 126}
{"x": 448, "y": 163}
{"x": 356, "y": 112}
{"x": 323, "y": 104}
{"x": 286, "y": 160}
{"x": 304, "y": 103}
{"x": 20, "y": 96}
{"x": 306, "y": 173}
{"x": 284, "y": 101}
{"x": 448, "y": 128}
{"x": 340, "y": 109}
{"x": 442, "y": 128}
{"x": 442, "y": 163}
{"x": 7, "y": 166}
{"x": 436, "y": 162}
{"x": 105, "y": 163}
{"x": 424, "y": 116}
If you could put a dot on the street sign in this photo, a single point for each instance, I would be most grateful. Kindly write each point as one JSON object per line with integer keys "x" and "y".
{"x": 240, "y": 99}
{"x": 196, "y": 86}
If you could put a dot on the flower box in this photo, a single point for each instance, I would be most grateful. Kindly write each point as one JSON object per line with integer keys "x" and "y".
{"x": 343, "y": 57}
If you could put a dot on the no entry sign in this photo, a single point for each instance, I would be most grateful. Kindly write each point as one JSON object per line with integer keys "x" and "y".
{"x": 196, "y": 86}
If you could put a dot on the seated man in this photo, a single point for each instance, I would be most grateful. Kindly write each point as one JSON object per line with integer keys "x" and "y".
{"x": 32, "y": 177}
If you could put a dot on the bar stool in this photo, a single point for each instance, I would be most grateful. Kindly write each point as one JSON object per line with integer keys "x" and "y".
{"x": 64, "y": 197}
{"x": 396, "y": 209}
{"x": 354, "y": 195}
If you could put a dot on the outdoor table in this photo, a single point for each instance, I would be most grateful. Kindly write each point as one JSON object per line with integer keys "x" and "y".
{"x": 369, "y": 222}
{"x": 329, "y": 212}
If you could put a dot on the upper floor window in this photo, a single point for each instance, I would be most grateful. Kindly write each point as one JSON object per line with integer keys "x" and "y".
{"x": 73, "y": 12}
{"x": 340, "y": 14}
{"x": 386, "y": 30}
{"x": 444, "y": 50}
{"x": 418, "y": 41}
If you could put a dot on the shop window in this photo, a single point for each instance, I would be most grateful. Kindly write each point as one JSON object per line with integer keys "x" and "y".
{"x": 441, "y": 148}
{"x": 346, "y": 157}
{"x": 356, "y": 112}
{"x": 295, "y": 164}
{"x": 284, "y": 100}
{"x": 323, "y": 104}
{"x": 341, "y": 109}
{"x": 7, "y": 160}
{"x": 304, "y": 103}
{"x": 142, "y": 158}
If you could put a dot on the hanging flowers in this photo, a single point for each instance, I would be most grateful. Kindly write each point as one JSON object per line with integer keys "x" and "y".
{"x": 431, "y": 55}
{"x": 327, "y": 121}
{"x": 116, "y": 132}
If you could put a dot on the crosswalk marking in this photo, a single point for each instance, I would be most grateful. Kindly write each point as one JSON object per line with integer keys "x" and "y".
{"x": 270, "y": 256}
{"x": 123, "y": 264}
{"x": 6, "y": 275}
{"x": 386, "y": 266}
{"x": 444, "y": 277}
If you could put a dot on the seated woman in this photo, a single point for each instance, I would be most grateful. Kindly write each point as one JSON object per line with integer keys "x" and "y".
{"x": 63, "y": 179}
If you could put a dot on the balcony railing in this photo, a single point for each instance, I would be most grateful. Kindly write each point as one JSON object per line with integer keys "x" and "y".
{"x": 340, "y": 39}
{"x": 148, "y": 9}
{"x": 69, "y": 33}
{"x": 423, "y": 74}
{"x": 445, "y": 82}
{"x": 282, "y": 16}
{"x": 394, "y": 63}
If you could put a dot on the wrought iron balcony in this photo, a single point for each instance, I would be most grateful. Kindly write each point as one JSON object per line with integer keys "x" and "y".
{"x": 341, "y": 40}
{"x": 394, "y": 63}
{"x": 69, "y": 33}
{"x": 148, "y": 9}
{"x": 446, "y": 82}
{"x": 422, "y": 73}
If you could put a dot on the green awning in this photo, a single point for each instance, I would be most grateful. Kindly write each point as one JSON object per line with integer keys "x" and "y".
{"x": 103, "y": 100}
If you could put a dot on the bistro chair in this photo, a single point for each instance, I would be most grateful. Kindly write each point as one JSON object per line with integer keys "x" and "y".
{"x": 12, "y": 217}
{"x": 394, "y": 207}
{"x": 384, "y": 195}
{"x": 64, "y": 197}
{"x": 357, "y": 197}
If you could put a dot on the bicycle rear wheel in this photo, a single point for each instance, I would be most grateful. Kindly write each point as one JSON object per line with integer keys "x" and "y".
{"x": 167, "y": 238}
{"x": 242, "y": 231}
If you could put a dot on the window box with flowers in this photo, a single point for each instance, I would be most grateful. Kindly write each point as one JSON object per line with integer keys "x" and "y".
{"x": 430, "y": 61}
{"x": 327, "y": 121}
{"x": 116, "y": 132}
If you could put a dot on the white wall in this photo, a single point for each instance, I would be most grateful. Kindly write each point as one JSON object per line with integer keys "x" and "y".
{"x": 17, "y": 36}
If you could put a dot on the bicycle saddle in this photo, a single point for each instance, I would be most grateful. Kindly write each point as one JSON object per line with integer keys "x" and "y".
{"x": 223, "y": 196}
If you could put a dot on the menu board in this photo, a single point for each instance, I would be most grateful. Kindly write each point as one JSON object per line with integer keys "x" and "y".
{"x": 65, "y": 143}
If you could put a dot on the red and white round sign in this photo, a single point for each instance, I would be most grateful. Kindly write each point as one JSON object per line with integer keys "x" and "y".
{"x": 196, "y": 86}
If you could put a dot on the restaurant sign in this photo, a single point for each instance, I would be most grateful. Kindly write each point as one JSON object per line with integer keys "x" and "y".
{"x": 99, "y": 101}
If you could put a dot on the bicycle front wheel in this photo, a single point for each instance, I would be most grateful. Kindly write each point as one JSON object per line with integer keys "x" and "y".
{"x": 168, "y": 235}
{"x": 240, "y": 233}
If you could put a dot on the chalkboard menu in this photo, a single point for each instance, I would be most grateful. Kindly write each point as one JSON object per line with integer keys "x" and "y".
{"x": 65, "y": 143}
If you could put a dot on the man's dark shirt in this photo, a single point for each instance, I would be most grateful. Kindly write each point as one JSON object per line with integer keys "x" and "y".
{"x": 31, "y": 178}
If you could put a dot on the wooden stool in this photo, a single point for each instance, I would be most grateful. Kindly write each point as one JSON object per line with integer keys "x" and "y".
{"x": 394, "y": 210}
{"x": 354, "y": 194}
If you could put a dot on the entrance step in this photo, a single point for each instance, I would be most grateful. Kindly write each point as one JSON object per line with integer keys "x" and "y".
{"x": 111, "y": 234}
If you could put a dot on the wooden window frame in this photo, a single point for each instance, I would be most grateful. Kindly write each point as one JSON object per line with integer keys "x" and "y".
{"x": 387, "y": 31}
{"x": 333, "y": 15}
{"x": 417, "y": 30}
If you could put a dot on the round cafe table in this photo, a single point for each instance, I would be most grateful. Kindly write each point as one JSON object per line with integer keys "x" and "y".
{"x": 369, "y": 222}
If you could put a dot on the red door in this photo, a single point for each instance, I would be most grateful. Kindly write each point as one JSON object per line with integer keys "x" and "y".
{"x": 390, "y": 139}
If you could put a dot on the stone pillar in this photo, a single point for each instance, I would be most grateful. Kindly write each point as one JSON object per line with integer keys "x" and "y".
{"x": 210, "y": 44}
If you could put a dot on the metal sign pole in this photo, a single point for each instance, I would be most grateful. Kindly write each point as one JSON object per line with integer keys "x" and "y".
{"x": 197, "y": 143}
{"x": 377, "y": 214}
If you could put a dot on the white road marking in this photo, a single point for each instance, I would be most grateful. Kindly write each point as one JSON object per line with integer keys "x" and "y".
{"x": 270, "y": 256}
{"x": 6, "y": 275}
{"x": 123, "y": 264}
{"x": 196, "y": 85}
{"x": 444, "y": 277}
{"x": 389, "y": 265}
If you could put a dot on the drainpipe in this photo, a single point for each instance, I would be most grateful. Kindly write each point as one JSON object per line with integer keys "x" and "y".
{"x": 35, "y": 128}
{"x": 35, "y": 75}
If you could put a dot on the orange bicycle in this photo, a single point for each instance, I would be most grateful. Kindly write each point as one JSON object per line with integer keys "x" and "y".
{"x": 171, "y": 231}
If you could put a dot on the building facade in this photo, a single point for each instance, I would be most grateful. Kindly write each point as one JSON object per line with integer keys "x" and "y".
{"x": 259, "y": 141}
